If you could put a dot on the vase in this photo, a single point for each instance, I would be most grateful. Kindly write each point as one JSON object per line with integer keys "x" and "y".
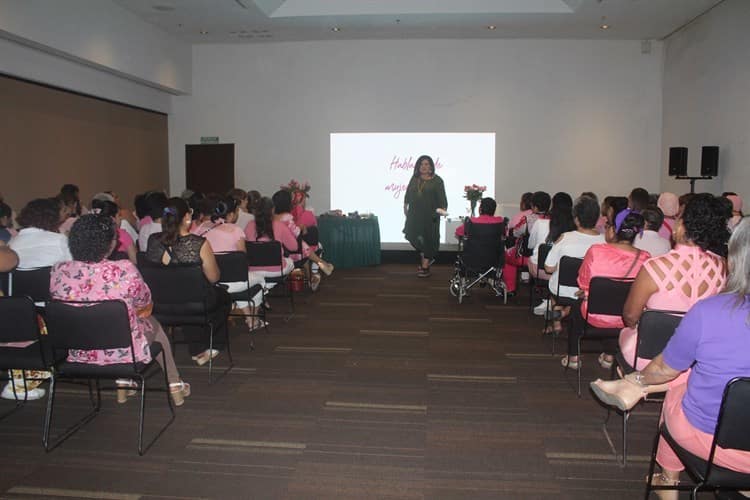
{"x": 473, "y": 207}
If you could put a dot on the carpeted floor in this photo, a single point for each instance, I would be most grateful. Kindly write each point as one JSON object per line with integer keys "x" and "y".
{"x": 380, "y": 386}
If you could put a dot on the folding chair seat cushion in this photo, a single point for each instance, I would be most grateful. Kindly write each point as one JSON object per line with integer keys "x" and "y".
{"x": 120, "y": 370}
{"x": 24, "y": 358}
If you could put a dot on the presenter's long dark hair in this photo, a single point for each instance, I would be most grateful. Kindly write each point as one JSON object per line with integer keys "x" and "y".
{"x": 419, "y": 162}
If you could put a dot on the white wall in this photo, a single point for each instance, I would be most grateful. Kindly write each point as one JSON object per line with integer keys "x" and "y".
{"x": 93, "y": 46}
{"x": 707, "y": 97}
{"x": 569, "y": 115}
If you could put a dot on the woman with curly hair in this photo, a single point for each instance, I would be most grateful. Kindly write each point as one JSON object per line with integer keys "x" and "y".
{"x": 91, "y": 277}
{"x": 38, "y": 244}
{"x": 692, "y": 271}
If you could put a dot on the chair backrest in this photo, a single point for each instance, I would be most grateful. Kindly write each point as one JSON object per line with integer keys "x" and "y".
{"x": 141, "y": 261}
{"x": 734, "y": 414}
{"x": 176, "y": 284}
{"x": 88, "y": 326}
{"x": 19, "y": 320}
{"x": 232, "y": 266}
{"x": 484, "y": 246}
{"x": 568, "y": 275}
{"x": 608, "y": 295}
{"x": 264, "y": 254}
{"x": 31, "y": 282}
{"x": 541, "y": 256}
{"x": 655, "y": 328}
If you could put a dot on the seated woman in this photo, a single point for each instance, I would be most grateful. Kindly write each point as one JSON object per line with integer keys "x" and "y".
{"x": 175, "y": 245}
{"x": 650, "y": 240}
{"x": 6, "y": 224}
{"x": 547, "y": 231}
{"x": 217, "y": 224}
{"x": 487, "y": 209}
{"x": 125, "y": 245}
{"x": 617, "y": 258}
{"x": 572, "y": 244}
{"x": 264, "y": 228}
{"x": 675, "y": 281}
{"x": 89, "y": 277}
{"x": 712, "y": 339}
{"x": 38, "y": 244}
{"x": 308, "y": 225}
{"x": 282, "y": 207}
{"x": 669, "y": 204}
{"x": 517, "y": 256}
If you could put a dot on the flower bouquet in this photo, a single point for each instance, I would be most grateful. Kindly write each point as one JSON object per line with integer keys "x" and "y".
{"x": 298, "y": 191}
{"x": 473, "y": 193}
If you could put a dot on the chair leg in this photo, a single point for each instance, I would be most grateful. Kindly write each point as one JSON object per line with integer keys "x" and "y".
{"x": 48, "y": 413}
{"x": 210, "y": 350}
{"x": 580, "y": 365}
{"x": 652, "y": 465}
{"x": 48, "y": 446}
{"x": 141, "y": 415}
{"x": 625, "y": 417}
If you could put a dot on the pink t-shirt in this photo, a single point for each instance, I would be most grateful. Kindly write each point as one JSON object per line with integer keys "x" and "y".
{"x": 124, "y": 239}
{"x": 222, "y": 236}
{"x": 608, "y": 261}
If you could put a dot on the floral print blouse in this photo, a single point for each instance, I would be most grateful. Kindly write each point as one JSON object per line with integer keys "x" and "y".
{"x": 106, "y": 280}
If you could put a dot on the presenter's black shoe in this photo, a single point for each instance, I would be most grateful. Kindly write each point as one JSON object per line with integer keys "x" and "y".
{"x": 424, "y": 273}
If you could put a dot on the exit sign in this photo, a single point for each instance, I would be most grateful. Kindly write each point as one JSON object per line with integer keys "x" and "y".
{"x": 210, "y": 140}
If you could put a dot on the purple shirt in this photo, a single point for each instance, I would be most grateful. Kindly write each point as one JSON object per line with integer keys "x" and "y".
{"x": 715, "y": 334}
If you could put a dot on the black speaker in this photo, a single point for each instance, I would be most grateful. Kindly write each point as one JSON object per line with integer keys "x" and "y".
{"x": 678, "y": 161}
{"x": 710, "y": 161}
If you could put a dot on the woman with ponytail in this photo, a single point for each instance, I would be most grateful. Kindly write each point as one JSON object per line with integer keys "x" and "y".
{"x": 125, "y": 248}
{"x": 175, "y": 245}
{"x": 617, "y": 258}
{"x": 217, "y": 223}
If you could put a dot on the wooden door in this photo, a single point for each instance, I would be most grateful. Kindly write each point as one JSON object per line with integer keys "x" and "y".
{"x": 209, "y": 168}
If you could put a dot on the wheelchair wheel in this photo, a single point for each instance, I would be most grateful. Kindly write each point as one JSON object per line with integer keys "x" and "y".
{"x": 455, "y": 286}
{"x": 461, "y": 289}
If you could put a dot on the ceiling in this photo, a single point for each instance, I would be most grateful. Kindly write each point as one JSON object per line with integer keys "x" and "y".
{"x": 262, "y": 21}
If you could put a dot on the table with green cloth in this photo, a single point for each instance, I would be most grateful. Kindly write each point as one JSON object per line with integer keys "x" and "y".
{"x": 349, "y": 242}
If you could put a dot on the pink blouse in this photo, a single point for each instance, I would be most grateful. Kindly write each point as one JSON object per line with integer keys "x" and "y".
{"x": 124, "y": 239}
{"x": 105, "y": 280}
{"x": 608, "y": 261}
{"x": 222, "y": 236}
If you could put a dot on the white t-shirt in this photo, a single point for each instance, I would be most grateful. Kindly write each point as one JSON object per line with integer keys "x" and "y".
{"x": 537, "y": 236}
{"x": 39, "y": 248}
{"x": 571, "y": 244}
{"x": 243, "y": 219}
{"x": 653, "y": 243}
{"x": 146, "y": 231}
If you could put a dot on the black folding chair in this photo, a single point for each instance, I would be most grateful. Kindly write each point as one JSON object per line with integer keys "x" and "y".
{"x": 607, "y": 297}
{"x": 731, "y": 433}
{"x": 183, "y": 297}
{"x": 31, "y": 282}
{"x": 567, "y": 276}
{"x": 233, "y": 269}
{"x": 481, "y": 260}
{"x": 655, "y": 328}
{"x": 99, "y": 325}
{"x": 268, "y": 254}
{"x": 536, "y": 282}
{"x": 20, "y": 324}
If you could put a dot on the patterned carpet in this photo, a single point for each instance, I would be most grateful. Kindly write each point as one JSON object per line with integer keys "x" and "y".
{"x": 380, "y": 386}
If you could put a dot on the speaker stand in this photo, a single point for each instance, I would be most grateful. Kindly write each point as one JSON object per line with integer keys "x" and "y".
{"x": 692, "y": 180}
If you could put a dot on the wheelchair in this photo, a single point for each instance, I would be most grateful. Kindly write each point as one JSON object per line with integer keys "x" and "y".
{"x": 480, "y": 260}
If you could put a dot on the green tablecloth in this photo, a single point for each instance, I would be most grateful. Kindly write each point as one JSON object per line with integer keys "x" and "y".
{"x": 350, "y": 242}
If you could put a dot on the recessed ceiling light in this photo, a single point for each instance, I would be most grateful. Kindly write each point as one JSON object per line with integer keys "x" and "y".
{"x": 335, "y": 29}
{"x": 204, "y": 32}
{"x": 491, "y": 27}
{"x": 604, "y": 25}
